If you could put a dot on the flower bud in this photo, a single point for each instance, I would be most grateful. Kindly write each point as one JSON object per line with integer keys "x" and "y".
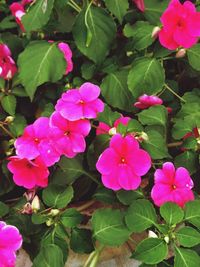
{"x": 155, "y": 32}
{"x": 9, "y": 119}
{"x": 54, "y": 212}
{"x": 29, "y": 195}
{"x": 112, "y": 131}
{"x": 27, "y": 209}
{"x": 166, "y": 238}
{"x": 152, "y": 234}
{"x": 49, "y": 222}
{"x": 35, "y": 204}
{"x": 181, "y": 53}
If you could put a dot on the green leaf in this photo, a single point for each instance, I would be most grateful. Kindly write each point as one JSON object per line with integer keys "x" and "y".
{"x": 116, "y": 84}
{"x": 9, "y": 103}
{"x": 4, "y": 209}
{"x": 38, "y": 15}
{"x": 127, "y": 197}
{"x": 188, "y": 237}
{"x": 187, "y": 159}
{"x": 140, "y": 215}
{"x": 41, "y": 56}
{"x": 100, "y": 26}
{"x": 154, "y": 10}
{"x": 108, "y": 116}
{"x": 109, "y": 228}
{"x": 186, "y": 258}
{"x": 134, "y": 126}
{"x": 156, "y": 145}
{"x": 151, "y": 251}
{"x": 81, "y": 241}
{"x": 57, "y": 196}
{"x": 171, "y": 213}
{"x": 105, "y": 195}
{"x": 181, "y": 128}
{"x": 38, "y": 218}
{"x": 118, "y": 8}
{"x": 71, "y": 218}
{"x": 18, "y": 125}
{"x": 88, "y": 70}
{"x": 49, "y": 256}
{"x": 156, "y": 115}
{"x": 192, "y": 212}
{"x": 140, "y": 33}
{"x": 146, "y": 76}
{"x": 194, "y": 56}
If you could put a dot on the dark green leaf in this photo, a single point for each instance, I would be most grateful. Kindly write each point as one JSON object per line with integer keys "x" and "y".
{"x": 9, "y": 103}
{"x": 187, "y": 159}
{"x": 4, "y": 209}
{"x": 71, "y": 218}
{"x": 192, "y": 212}
{"x": 117, "y": 7}
{"x": 127, "y": 197}
{"x": 194, "y": 56}
{"x": 81, "y": 241}
{"x": 156, "y": 115}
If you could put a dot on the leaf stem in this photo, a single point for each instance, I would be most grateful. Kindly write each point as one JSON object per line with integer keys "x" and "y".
{"x": 174, "y": 93}
{"x": 74, "y": 7}
{"x": 175, "y": 144}
{"x": 7, "y": 131}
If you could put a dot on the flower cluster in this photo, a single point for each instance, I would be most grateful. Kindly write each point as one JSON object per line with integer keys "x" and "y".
{"x": 181, "y": 25}
{"x": 43, "y": 142}
{"x": 7, "y": 64}
{"x": 10, "y": 242}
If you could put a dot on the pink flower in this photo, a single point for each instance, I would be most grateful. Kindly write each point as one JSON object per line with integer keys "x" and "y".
{"x": 38, "y": 140}
{"x": 28, "y": 173}
{"x": 18, "y": 12}
{"x": 7, "y": 64}
{"x": 69, "y": 134}
{"x": 104, "y": 128}
{"x": 65, "y": 49}
{"x": 123, "y": 163}
{"x": 10, "y": 242}
{"x": 181, "y": 25}
{"x": 146, "y": 101}
{"x": 140, "y": 4}
{"x": 82, "y": 103}
{"x": 172, "y": 185}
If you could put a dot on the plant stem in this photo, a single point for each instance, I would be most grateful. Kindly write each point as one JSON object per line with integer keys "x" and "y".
{"x": 86, "y": 205}
{"x": 6, "y": 131}
{"x": 175, "y": 144}
{"x": 174, "y": 93}
{"x": 74, "y": 7}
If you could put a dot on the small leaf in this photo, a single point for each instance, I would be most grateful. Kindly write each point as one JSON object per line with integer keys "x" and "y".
{"x": 188, "y": 237}
{"x": 57, "y": 196}
{"x": 187, "y": 159}
{"x": 192, "y": 212}
{"x": 140, "y": 215}
{"x": 171, "y": 213}
{"x": 186, "y": 258}
{"x": 38, "y": 218}
{"x": 9, "y": 103}
{"x": 108, "y": 227}
{"x": 151, "y": 251}
{"x": 127, "y": 197}
{"x": 18, "y": 125}
{"x": 105, "y": 195}
{"x": 71, "y": 218}
{"x": 118, "y": 8}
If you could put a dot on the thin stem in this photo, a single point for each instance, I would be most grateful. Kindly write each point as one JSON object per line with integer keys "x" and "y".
{"x": 175, "y": 144}
{"x": 174, "y": 93}
{"x": 6, "y": 131}
{"x": 74, "y": 7}
{"x": 91, "y": 177}
{"x": 86, "y": 205}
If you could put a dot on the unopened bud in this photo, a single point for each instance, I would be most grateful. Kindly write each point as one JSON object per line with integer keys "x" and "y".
{"x": 9, "y": 119}
{"x": 49, "y": 222}
{"x": 181, "y": 53}
{"x": 152, "y": 234}
{"x": 35, "y": 204}
{"x": 54, "y": 212}
{"x": 166, "y": 238}
{"x": 27, "y": 209}
{"x": 29, "y": 195}
{"x": 142, "y": 137}
{"x": 155, "y": 32}
{"x": 112, "y": 131}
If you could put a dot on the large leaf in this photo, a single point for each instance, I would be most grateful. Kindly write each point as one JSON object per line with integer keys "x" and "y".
{"x": 186, "y": 258}
{"x": 57, "y": 196}
{"x": 146, "y": 76}
{"x": 50, "y": 256}
{"x": 37, "y": 15}
{"x": 156, "y": 115}
{"x": 115, "y": 91}
{"x": 141, "y": 33}
{"x": 181, "y": 128}
{"x": 188, "y": 237}
{"x": 108, "y": 227}
{"x": 192, "y": 212}
{"x": 94, "y": 31}
{"x": 171, "y": 213}
{"x": 151, "y": 251}
{"x": 117, "y": 7}
{"x": 154, "y": 10}
{"x": 187, "y": 159}
{"x": 41, "y": 56}
{"x": 194, "y": 56}
{"x": 9, "y": 103}
{"x": 140, "y": 215}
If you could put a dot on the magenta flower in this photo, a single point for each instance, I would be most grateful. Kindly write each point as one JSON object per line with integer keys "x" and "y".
{"x": 123, "y": 163}
{"x": 69, "y": 134}
{"x": 18, "y": 12}
{"x": 172, "y": 185}
{"x": 82, "y": 103}
{"x": 140, "y": 4}
{"x": 104, "y": 128}
{"x": 65, "y": 49}
{"x": 181, "y": 25}
{"x": 28, "y": 173}
{"x": 146, "y": 101}
{"x": 7, "y": 64}
{"x": 10, "y": 242}
{"x": 38, "y": 140}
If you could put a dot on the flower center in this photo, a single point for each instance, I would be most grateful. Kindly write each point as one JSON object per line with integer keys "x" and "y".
{"x": 29, "y": 165}
{"x": 36, "y": 140}
{"x": 123, "y": 160}
{"x": 173, "y": 187}
{"x": 81, "y": 102}
{"x": 67, "y": 133}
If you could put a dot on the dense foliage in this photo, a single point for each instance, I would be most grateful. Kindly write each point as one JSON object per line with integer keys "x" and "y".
{"x": 100, "y": 129}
